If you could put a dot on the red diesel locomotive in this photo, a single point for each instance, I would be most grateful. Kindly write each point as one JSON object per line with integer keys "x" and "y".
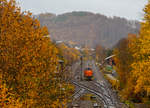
{"x": 88, "y": 74}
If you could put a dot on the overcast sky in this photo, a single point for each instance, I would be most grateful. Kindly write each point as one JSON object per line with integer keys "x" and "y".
{"x": 131, "y": 9}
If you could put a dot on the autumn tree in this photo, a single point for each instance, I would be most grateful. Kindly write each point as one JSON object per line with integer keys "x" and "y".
{"x": 124, "y": 59}
{"x": 100, "y": 53}
{"x": 70, "y": 55}
{"x": 137, "y": 86}
{"x": 28, "y": 58}
{"x": 7, "y": 99}
{"x": 141, "y": 64}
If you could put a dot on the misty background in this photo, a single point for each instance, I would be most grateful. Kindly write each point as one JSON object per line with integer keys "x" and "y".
{"x": 130, "y": 9}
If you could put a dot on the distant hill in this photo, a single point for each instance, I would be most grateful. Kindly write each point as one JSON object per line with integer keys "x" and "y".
{"x": 88, "y": 29}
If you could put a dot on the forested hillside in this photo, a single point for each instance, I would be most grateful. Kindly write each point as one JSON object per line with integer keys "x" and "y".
{"x": 88, "y": 29}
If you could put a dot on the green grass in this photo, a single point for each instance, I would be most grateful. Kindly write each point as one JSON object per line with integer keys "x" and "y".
{"x": 130, "y": 104}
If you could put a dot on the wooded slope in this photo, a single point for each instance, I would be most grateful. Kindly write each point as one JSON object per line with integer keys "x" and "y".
{"x": 87, "y": 28}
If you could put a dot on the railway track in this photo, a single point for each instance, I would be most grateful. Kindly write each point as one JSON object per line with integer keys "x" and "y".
{"x": 106, "y": 90}
{"x": 78, "y": 94}
{"x": 99, "y": 87}
{"x": 106, "y": 100}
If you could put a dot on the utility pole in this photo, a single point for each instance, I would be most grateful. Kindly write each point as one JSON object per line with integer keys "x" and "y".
{"x": 60, "y": 75}
{"x": 81, "y": 58}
